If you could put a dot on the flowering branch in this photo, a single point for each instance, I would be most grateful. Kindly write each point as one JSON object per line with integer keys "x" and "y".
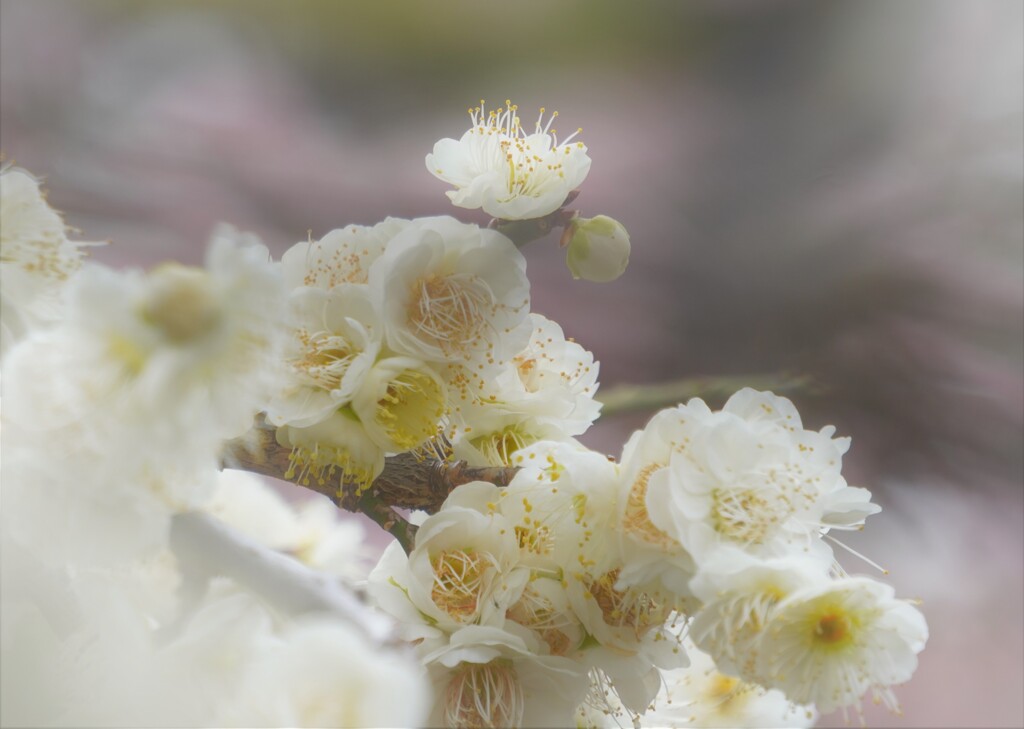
{"x": 407, "y": 482}
{"x": 410, "y": 481}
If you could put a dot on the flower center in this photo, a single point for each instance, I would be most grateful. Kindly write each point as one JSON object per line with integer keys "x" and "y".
{"x": 498, "y": 448}
{"x": 832, "y": 629}
{"x": 484, "y": 695}
{"x": 637, "y": 520}
{"x": 749, "y": 515}
{"x": 181, "y": 303}
{"x": 627, "y": 608}
{"x": 451, "y": 312}
{"x": 326, "y": 358}
{"x": 411, "y": 408}
{"x": 538, "y": 613}
{"x": 459, "y": 579}
{"x": 533, "y": 159}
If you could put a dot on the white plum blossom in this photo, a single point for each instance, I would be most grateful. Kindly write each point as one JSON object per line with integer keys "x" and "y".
{"x": 561, "y": 504}
{"x": 344, "y": 255}
{"x": 313, "y": 531}
{"x": 739, "y": 593}
{"x": 750, "y": 476}
{"x": 513, "y": 175}
{"x": 36, "y": 257}
{"x": 829, "y": 644}
{"x": 181, "y": 350}
{"x": 499, "y": 677}
{"x": 122, "y": 409}
{"x": 335, "y": 339}
{"x": 321, "y": 673}
{"x": 648, "y": 552}
{"x": 452, "y": 292}
{"x": 545, "y": 393}
{"x": 699, "y": 695}
{"x": 465, "y": 569}
{"x": 401, "y": 403}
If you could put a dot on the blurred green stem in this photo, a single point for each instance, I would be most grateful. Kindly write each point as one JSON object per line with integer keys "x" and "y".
{"x": 634, "y": 398}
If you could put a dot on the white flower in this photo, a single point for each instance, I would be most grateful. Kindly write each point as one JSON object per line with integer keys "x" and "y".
{"x": 751, "y": 477}
{"x": 339, "y": 443}
{"x": 180, "y": 352}
{"x": 598, "y": 250}
{"x": 322, "y": 673}
{"x": 464, "y": 570}
{"x": 829, "y": 644}
{"x": 491, "y": 437}
{"x": 400, "y": 403}
{"x": 342, "y": 256}
{"x": 556, "y": 378}
{"x": 493, "y": 677}
{"x": 335, "y": 339}
{"x": 314, "y": 531}
{"x": 546, "y": 392}
{"x": 512, "y": 175}
{"x": 452, "y": 292}
{"x": 36, "y": 258}
{"x": 561, "y": 504}
{"x": 739, "y": 593}
{"x": 649, "y": 552}
{"x": 120, "y": 412}
{"x": 701, "y": 696}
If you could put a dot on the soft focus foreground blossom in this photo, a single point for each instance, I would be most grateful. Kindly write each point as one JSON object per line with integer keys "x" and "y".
{"x": 312, "y": 531}
{"x": 119, "y": 412}
{"x": 598, "y": 249}
{"x": 701, "y": 696}
{"x": 189, "y": 353}
{"x": 321, "y": 673}
{"x": 36, "y": 258}
{"x": 511, "y": 174}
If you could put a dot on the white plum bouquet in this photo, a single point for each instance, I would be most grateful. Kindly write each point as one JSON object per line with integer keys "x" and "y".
{"x": 151, "y": 579}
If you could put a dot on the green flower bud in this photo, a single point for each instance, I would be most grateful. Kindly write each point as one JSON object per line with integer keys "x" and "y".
{"x": 598, "y": 250}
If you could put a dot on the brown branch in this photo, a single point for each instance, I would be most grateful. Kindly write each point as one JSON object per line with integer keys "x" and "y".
{"x": 407, "y": 482}
{"x": 410, "y": 481}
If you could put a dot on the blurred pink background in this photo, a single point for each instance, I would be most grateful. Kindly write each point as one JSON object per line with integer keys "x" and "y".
{"x": 832, "y": 189}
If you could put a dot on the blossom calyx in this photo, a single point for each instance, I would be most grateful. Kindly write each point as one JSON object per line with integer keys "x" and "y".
{"x": 598, "y": 249}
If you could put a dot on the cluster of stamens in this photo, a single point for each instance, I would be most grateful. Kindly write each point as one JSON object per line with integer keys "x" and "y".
{"x": 451, "y": 312}
{"x": 519, "y": 150}
{"x": 460, "y": 577}
{"x": 484, "y": 695}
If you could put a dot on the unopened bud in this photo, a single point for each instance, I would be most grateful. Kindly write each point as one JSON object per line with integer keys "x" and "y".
{"x": 598, "y": 250}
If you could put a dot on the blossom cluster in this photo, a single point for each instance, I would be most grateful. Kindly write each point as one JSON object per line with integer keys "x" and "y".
{"x": 416, "y": 335}
{"x": 689, "y": 582}
{"x": 710, "y": 528}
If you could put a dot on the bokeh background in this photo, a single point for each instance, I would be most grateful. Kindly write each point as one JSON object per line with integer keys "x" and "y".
{"x": 830, "y": 189}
